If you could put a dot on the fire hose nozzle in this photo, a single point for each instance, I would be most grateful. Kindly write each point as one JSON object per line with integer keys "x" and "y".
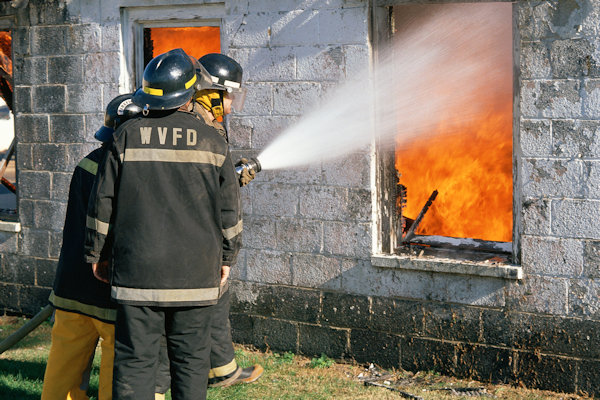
{"x": 252, "y": 163}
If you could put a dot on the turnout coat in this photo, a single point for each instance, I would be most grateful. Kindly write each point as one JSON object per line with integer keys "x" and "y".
{"x": 168, "y": 194}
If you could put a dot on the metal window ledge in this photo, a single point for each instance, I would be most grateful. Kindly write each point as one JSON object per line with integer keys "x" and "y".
{"x": 427, "y": 264}
{"x": 7, "y": 226}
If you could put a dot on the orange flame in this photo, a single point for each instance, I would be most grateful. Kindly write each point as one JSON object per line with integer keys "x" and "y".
{"x": 195, "y": 41}
{"x": 472, "y": 172}
{"x": 5, "y": 51}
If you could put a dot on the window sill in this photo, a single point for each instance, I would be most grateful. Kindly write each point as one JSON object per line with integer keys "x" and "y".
{"x": 434, "y": 264}
{"x": 7, "y": 226}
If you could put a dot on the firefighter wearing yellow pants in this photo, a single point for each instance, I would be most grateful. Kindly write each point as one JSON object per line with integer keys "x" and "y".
{"x": 84, "y": 312}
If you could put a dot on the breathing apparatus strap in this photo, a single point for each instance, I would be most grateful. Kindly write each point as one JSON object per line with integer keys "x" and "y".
{"x": 211, "y": 100}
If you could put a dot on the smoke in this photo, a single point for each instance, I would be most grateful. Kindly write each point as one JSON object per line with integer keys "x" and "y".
{"x": 440, "y": 69}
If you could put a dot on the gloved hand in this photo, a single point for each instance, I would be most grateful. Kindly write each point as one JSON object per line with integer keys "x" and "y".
{"x": 247, "y": 174}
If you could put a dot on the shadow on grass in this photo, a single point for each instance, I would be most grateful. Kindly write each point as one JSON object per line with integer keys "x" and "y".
{"x": 8, "y": 393}
{"x": 23, "y": 369}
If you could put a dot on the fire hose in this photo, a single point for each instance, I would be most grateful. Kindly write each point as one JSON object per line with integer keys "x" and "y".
{"x": 25, "y": 329}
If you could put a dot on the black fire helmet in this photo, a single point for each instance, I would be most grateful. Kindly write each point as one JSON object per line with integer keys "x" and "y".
{"x": 168, "y": 82}
{"x": 224, "y": 71}
{"x": 119, "y": 110}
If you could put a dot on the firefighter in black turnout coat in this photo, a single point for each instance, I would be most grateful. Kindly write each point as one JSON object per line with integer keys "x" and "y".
{"x": 168, "y": 194}
{"x": 84, "y": 311}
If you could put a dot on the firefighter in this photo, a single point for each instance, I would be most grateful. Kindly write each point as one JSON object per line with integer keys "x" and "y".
{"x": 84, "y": 312}
{"x": 224, "y": 96}
{"x": 167, "y": 193}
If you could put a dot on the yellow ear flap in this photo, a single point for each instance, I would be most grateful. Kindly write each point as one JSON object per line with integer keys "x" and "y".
{"x": 211, "y": 101}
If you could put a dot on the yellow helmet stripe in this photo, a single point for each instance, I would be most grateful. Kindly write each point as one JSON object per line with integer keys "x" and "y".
{"x": 152, "y": 91}
{"x": 189, "y": 83}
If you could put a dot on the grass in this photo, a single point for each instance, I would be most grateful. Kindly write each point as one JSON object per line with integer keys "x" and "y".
{"x": 287, "y": 376}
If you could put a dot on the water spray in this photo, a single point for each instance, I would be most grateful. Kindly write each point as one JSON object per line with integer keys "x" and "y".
{"x": 252, "y": 163}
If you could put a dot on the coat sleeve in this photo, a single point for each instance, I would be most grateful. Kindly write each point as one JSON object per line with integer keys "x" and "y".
{"x": 101, "y": 203}
{"x": 231, "y": 212}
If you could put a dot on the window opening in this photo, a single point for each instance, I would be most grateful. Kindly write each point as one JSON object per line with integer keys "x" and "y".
{"x": 454, "y": 185}
{"x": 8, "y": 198}
{"x": 195, "y": 41}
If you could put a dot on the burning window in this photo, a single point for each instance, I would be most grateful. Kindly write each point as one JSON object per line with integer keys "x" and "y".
{"x": 8, "y": 199}
{"x": 453, "y": 184}
{"x": 195, "y": 41}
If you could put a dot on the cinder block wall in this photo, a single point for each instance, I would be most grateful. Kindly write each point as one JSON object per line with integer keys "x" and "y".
{"x": 304, "y": 281}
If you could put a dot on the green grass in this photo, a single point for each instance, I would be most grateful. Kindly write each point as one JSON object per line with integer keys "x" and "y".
{"x": 287, "y": 376}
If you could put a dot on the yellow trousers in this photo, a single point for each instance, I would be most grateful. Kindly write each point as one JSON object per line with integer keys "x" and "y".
{"x": 74, "y": 339}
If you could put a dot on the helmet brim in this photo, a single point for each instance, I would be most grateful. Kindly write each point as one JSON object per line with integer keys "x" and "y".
{"x": 104, "y": 134}
{"x": 168, "y": 102}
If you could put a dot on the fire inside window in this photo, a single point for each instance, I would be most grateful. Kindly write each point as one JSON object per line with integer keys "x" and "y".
{"x": 195, "y": 41}
{"x": 8, "y": 199}
{"x": 455, "y": 179}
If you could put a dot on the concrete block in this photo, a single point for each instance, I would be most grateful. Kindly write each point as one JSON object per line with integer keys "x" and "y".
{"x": 576, "y": 138}
{"x": 93, "y": 122}
{"x": 274, "y": 200}
{"x": 296, "y": 235}
{"x": 357, "y": 59}
{"x": 267, "y": 266}
{"x": 538, "y": 294}
{"x": 49, "y": 99}
{"x": 9, "y": 243}
{"x": 34, "y": 184}
{"x": 110, "y": 90}
{"x": 295, "y": 98}
{"x": 536, "y": 137}
{"x": 240, "y": 134}
{"x": 9, "y": 297}
{"x": 22, "y": 99}
{"x": 26, "y": 211}
{"x": 271, "y": 64}
{"x": 101, "y": 68}
{"x": 536, "y": 216}
{"x": 324, "y": 203}
{"x": 259, "y": 233}
{"x": 588, "y": 378}
{"x": 552, "y": 256}
{"x": 591, "y": 179}
{"x": 573, "y": 58}
{"x": 556, "y": 99}
{"x": 584, "y": 298}
{"x": 21, "y": 40}
{"x": 576, "y": 218}
{"x": 49, "y": 215}
{"x": 317, "y": 63}
{"x": 110, "y": 36}
{"x": 348, "y": 239}
{"x": 242, "y": 327}
{"x": 310, "y": 174}
{"x": 451, "y": 322}
{"x": 343, "y": 310}
{"x": 591, "y": 259}
{"x": 18, "y": 269}
{"x": 344, "y": 26}
{"x": 259, "y": 99}
{"x": 65, "y": 69}
{"x": 549, "y": 20}
{"x": 296, "y": 304}
{"x": 591, "y": 98}
{"x": 278, "y": 5}
{"x": 351, "y": 170}
{"x": 318, "y": 340}
{"x": 49, "y": 12}
{"x": 535, "y": 60}
{"x": 275, "y": 335}
{"x": 45, "y": 271}
{"x": 315, "y": 271}
{"x": 427, "y": 355}
{"x": 32, "y": 299}
{"x": 84, "y": 99}
{"x": 84, "y": 39}
{"x": 295, "y": 27}
{"x": 48, "y": 40}
{"x": 553, "y": 177}
{"x": 483, "y": 363}
{"x": 473, "y": 290}
{"x": 266, "y": 129}
{"x": 496, "y": 328}
{"x": 60, "y": 185}
{"x": 32, "y": 128}
{"x": 249, "y": 30}
{"x": 402, "y": 317}
{"x": 51, "y": 157}
{"x": 31, "y": 70}
{"x": 68, "y": 128}
{"x": 24, "y": 160}
{"x": 252, "y": 298}
{"x": 35, "y": 243}
{"x": 545, "y": 372}
{"x": 55, "y": 244}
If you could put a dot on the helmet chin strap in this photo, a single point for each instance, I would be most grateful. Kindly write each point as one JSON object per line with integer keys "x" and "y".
{"x": 146, "y": 110}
